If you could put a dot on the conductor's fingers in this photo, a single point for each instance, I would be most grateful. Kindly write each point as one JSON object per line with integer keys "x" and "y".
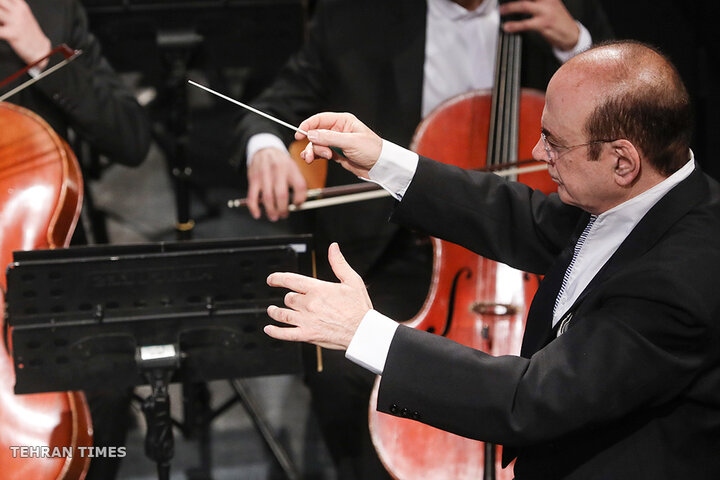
{"x": 325, "y": 120}
{"x": 283, "y": 315}
{"x": 291, "y": 334}
{"x": 292, "y": 281}
{"x": 340, "y": 267}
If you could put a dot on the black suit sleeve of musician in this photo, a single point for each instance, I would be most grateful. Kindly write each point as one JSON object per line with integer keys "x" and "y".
{"x": 93, "y": 98}
{"x": 298, "y": 91}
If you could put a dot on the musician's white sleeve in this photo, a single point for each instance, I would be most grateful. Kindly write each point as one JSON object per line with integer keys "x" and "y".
{"x": 260, "y": 141}
{"x": 584, "y": 42}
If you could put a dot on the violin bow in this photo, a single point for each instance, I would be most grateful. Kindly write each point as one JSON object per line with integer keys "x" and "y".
{"x": 69, "y": 55}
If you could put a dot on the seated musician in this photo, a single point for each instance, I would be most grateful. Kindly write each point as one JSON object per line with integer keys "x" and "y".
{"x": 392, "y": 63}
{"x": 88, "y": 97}
{"x": 619, "y": 373}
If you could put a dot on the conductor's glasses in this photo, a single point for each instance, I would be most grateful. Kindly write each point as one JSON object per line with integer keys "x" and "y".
{"x": 554, "y": 150}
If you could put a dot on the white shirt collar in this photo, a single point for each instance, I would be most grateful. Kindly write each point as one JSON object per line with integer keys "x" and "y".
{"x": 453, "y": 11}
{"x": 607, "y": 233}
{"x": 640, "y": 204}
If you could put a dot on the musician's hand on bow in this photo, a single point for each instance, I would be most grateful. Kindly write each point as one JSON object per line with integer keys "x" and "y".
{"x": 361, "y": 146}
{"x": 323, "y": 313}
{"x": 550, "y": 18}
{"x": 271, "y": 175}
{"x": 20, "y": 29}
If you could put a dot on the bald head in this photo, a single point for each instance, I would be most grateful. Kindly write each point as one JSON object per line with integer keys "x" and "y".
{"x": 636, "y": 94}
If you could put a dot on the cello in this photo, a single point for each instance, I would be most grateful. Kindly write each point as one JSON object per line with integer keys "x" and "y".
{"x": 472, "y": 300}
{"x": 40, "y": 202}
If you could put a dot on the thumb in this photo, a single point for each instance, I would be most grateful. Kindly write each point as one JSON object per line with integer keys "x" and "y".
{"x": 340, "y": 267}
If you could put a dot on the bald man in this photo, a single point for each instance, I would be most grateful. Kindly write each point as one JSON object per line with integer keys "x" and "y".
{"x": 619, "y": 374}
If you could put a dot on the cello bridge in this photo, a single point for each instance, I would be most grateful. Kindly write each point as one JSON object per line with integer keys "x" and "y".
{"x": 496, "y": 309}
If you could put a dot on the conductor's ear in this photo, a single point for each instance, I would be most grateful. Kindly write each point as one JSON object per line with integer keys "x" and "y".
{"x": 627, "y": 162}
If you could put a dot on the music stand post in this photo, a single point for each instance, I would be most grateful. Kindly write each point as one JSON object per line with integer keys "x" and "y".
{"x": 178, "y": 48}
{"x": 87, "y": 318}
{"x": 158, "y": 363}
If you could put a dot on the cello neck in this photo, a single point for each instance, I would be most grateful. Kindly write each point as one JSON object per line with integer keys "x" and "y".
{"x": 502, "y": 147}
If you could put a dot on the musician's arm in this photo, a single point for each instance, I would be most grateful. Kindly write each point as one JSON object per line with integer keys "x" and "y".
{"x": 297, "y": 92}
{"x": 96, "y": 102}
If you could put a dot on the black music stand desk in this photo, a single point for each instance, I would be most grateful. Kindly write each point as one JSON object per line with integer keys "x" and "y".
{"x": 86, "y": 318}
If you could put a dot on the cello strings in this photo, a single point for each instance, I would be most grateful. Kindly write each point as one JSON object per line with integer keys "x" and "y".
{"x": 499, "y": 146}
{"x": 494, "y": 106}
{"x": 515, "y": 102}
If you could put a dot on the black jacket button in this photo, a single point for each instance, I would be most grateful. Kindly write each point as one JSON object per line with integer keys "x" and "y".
{"x": 393, "y": 408}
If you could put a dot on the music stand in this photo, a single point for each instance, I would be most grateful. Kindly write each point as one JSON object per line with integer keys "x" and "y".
{"x": 84, "y": 318}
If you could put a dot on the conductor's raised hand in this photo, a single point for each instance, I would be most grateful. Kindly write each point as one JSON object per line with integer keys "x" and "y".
{"x": 360, "y": 146}
{"x": 323, "y": 313}
{"x": 549, "y": 18}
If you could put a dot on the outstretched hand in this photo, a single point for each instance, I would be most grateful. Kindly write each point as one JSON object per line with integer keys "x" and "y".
{"x": 360, "y": 146}
{"x": 323, "y": 313}
{"x": 549, "y": 18}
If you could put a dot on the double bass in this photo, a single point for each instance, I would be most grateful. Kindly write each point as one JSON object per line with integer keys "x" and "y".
{"x": 40, "y": 200}
{"x": 472, "y": 300}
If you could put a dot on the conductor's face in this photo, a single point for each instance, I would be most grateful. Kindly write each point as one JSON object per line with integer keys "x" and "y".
{"x": 582, "y": 182}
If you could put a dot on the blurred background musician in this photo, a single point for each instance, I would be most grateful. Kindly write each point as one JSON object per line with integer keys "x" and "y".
{"x": 87, "y": 97}
{"x": 390, "y": 63}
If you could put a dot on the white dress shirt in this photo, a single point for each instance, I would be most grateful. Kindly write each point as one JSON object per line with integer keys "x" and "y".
{"x": 459, "y": 57}
{"x": 371, "y": 343}
{"x": 606, "y": 234}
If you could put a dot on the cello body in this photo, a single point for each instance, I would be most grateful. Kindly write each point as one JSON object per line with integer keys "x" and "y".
{"x": 40, "y": 202}
{"x": 472, "y": 300}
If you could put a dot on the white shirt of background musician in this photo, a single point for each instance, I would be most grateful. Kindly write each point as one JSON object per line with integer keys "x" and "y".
{"x": 460, "y": 49}
{"x": 459, "y": 56}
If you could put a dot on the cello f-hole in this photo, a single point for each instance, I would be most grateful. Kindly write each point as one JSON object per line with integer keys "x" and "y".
{"x": 453, "y": 296}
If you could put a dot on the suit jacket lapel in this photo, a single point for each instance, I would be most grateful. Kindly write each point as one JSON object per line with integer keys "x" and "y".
{"x": 668, "y": 210}
{"x": 672, "y": 207}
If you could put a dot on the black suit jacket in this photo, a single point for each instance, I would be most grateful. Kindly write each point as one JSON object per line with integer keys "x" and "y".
{"x": 367, "y": 57}
{"x": 631, "y": 390}
{"x": 86, "y": 94}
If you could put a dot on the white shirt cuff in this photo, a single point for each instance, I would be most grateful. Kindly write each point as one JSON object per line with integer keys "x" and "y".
{"x": 584, "y": 42}
{"x": 394, "y": 169}
{"x": 263, "y": 140}
{"x": 370, "y": 345}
